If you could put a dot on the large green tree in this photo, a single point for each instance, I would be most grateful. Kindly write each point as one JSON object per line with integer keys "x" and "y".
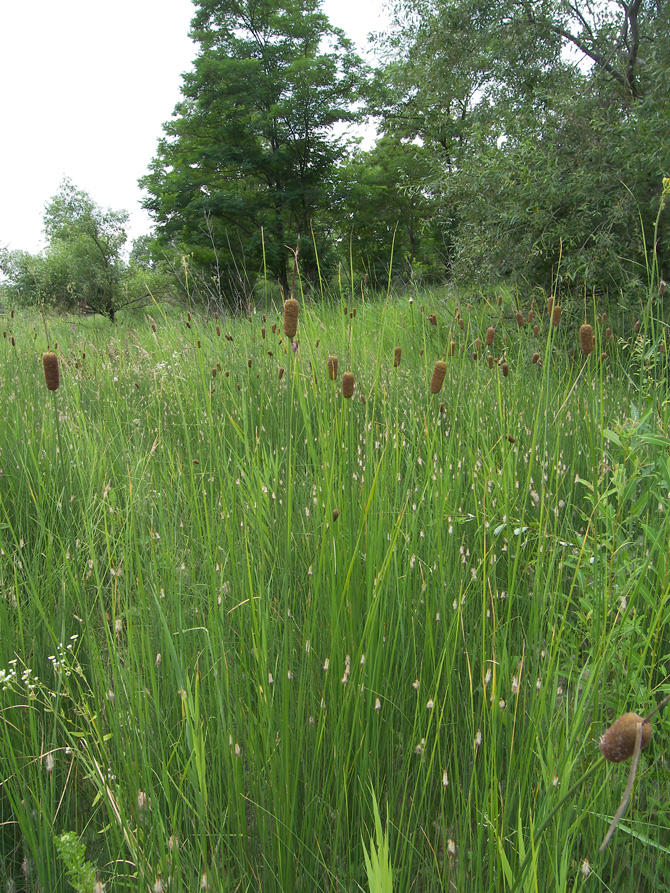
{"x": 548, "y": 123}
{"x": 247, "y": 161}
{"x": 82, "y": 266}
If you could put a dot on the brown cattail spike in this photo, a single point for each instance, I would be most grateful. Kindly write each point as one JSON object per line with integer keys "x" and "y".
{"x": 618, "y": 742}
{"x": 505, "y": 370}
{"x": 332, "y": 368}
{"x": 586, "y": 339}
{"x": 51, "y": 371}
{"x": 520, "y": 321}
{"x": 437, "y": 380}
{"x": 397, "y": 356}
{"x": 348, "y": 384}
{"x": 490, "y": 362}
{"x": 556, "y": 314}
{"x": 291, "y": 309}
{"x": 432, "y": 319}
{"x": 536, "y": 357}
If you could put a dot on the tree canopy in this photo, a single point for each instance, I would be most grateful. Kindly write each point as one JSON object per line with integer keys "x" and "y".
{"x": 247, "y": 162}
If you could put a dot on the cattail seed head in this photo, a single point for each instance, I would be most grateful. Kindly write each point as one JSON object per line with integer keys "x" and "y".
{"x": 478, "y": 343}
{"x": 536, "y": 357}
{"x": 608, "y": 333}
{"x": 291, "y": 310}
{"x": 336, "y": 515}
{"x": 397, "y": 355}
{"x": 603, "y": 357}
{"x": 51, "y": 371}
{"x": 432, "y": 319}
{"x": 348, "y": 384}
{"x": 556, "y": 314}
{"x": 520, "y": 321}
{"x": 550, "y": 306}
{"x": 531, "y": 315}
{"x": 618, "y": 742}
{"x": 437, "y": 380}
{"x": 332, "y": 368}
{"x": 505, "y": 370}
{"x": 452, "y": 348}
{"x": 536, "y": 331}
{"x": 586, "y": 339}
{"x": 281, "y": 372}
{"x": 153, "y": 327}
{"x": 263, "y": 332}
{"x": 490, "y": 336}
{"x": 461, "y": 323}
{"x": 490, "y": 362}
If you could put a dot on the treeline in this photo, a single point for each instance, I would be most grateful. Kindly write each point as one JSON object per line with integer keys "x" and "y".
{"x": 519, "y": 140}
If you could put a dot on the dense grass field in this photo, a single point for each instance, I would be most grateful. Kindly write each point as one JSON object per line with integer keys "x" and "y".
{"x": 239, "y": 610}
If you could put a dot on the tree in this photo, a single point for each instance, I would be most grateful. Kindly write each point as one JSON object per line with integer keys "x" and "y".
{"x": 82, "y": 266}
{"x": 553, "y": 143}
{"x": 247, "y": 162}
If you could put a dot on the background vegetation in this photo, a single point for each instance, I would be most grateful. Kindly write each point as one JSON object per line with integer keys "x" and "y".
{"x": 522, "y": 143}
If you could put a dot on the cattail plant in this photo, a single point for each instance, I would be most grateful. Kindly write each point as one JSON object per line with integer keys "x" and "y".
{"x": 520, "y": 321}
{"x": 332, "y": 368}
{"x": 556, "y": 314}
{"x": 437, "y": 380}
{"x": 397, "y": 355}
{"x": 505, "y": 369}
{"x": 536, "y": 331}
{"x": 452, "y": 348}
{"x": 291, "y": 309}
{"x": 51, "y": 371}
{"x": 478, "y": 343}
{"x": 432, "y": 319}
{"x": 348, "y": 384}
{"x": 618, "y": 742}
{"x": 536, "y": 357}
{"x": 491, "y": 361}
{"x": 586, "y": 339}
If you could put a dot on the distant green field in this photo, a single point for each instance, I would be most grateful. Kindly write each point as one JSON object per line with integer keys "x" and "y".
{"x": 238, "y": 608}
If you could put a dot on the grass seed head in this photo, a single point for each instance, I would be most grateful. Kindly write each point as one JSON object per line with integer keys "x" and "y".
{"x": 437, "y": 380}
{"x": 51, "y": 371}
{"x": 586, "y": 339}
{"x": 348, "y": 384}
{"x": 291, "y": 310}
{"x": 618, "y": 742}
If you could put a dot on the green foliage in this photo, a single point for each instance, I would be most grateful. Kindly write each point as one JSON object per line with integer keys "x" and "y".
{"x": 548, "y": 124}
{"x": 247, "y": 162}
{"x": 82, "y": 874}
{"x": 378, "y": 858}
{"x": 81, "y": 267}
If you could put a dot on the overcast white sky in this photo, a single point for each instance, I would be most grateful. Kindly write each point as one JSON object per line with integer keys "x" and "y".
{"x": 86, "y": 86}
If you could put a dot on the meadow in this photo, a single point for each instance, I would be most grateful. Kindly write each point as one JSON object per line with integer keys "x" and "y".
{"x": 258, "y": 635}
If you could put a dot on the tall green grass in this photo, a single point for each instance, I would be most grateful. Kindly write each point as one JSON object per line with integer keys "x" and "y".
{"x": 238, "y": 610}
